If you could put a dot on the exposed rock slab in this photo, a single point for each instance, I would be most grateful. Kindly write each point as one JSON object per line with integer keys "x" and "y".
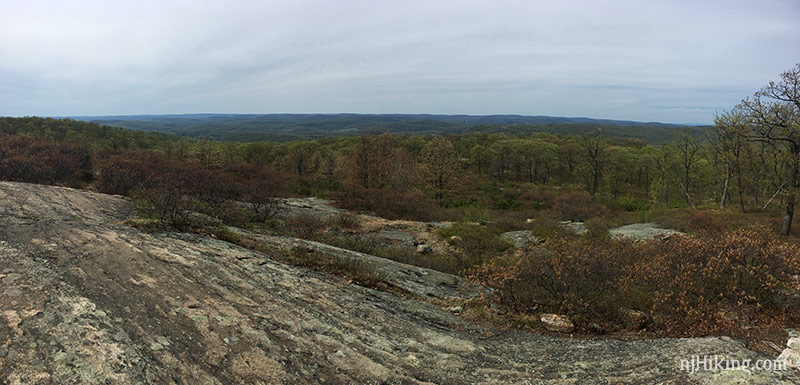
{"x": 577, "y": 228}
{"x": 395, "y": 238}
{"x": 314, "y": 207}
{"x": 642, "y": 231}
{"x": 94, "y": 302}
{"x": 418, "y": 280}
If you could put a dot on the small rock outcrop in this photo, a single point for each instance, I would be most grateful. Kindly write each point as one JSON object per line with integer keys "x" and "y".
{"x": 424, "y": 248}
{"x": 313, "y": 207}
{"x": 642, "y": 231}
{"x": 521, "y": 239}
{"x": 395, "y": 238}
{"x": 634, "y": 318}
{"x": 577, "y": 228}
{"x": 791, "y": 355}
{"x": 557, "y": 323}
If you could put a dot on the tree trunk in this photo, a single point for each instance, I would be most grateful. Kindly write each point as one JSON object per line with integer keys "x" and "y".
{"x": 787, "y": 218}
{"x": 724, "y": 193}
{"x": 686, "y": 184}
{"x": 739, "y": 187}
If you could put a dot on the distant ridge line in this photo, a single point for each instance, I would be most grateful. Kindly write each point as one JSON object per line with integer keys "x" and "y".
{"x": 466, "y": 118}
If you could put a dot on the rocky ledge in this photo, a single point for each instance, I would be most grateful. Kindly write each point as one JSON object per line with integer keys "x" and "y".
{"x": 86, "y": 300}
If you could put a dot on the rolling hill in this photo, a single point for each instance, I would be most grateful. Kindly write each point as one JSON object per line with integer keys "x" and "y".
{"x": 287, "y": 127}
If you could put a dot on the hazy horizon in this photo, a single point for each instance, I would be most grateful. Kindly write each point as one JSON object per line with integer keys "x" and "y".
{"x": 673, "y": 62}
{"x": 190, "y": 114}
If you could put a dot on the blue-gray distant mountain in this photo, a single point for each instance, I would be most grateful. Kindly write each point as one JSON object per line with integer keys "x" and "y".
{"x": 285, "y": 127}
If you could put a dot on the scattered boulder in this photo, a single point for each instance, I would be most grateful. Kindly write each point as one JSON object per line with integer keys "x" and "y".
{"x": 635, "y": 318}
{"x": 521, "y": 239}
{"x": 424, "y": 248}
{"x": 557, "y": 323}
{"x": 791, "y": 355}
{"x": 455, "y": 309}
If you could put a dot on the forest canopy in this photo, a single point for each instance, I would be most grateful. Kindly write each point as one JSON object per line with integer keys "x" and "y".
{"x": 291, "y": 127}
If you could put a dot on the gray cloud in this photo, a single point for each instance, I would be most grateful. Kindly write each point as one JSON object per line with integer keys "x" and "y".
{"x": 673, "y": 61}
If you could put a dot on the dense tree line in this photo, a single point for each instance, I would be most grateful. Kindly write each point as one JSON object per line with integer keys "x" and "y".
{"x": 750, "y": 158}
{"x": 297, "y": 127}
{"x": 80, "y": 133}
{"x": 467, "y": 170}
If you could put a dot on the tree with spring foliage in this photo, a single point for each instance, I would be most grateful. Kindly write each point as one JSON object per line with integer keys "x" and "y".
{"x": 774, "y": 114}
{"x": 479, "y": 156}
{"x": 729, "y": 145}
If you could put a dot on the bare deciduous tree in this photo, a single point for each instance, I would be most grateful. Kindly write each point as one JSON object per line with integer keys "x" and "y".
{"x": 594, "y": 154}
{"x": 688, "y": 148}
{"x": 439, "y": 166}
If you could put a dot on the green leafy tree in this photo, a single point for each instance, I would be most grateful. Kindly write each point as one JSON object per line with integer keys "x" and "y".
{"x": 729, "y": 145}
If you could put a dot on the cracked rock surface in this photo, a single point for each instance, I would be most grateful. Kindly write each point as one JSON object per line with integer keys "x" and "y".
{"x": 86, "y": 300}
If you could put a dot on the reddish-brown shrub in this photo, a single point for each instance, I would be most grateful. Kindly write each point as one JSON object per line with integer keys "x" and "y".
{"x": 345, "y": 220}
{"x": 167, "y": 198}
{"x": 575, "y": 206}
{"x": 474, "y": 244}
{"x": 387, "y": 203}
{"x": 168, "y": 189}
{"x": 26, "y": 159}
{"x": 212, "y": 188}
{"x": 576, "y": 278}
{"x": 705, "y": 221}
{"x": 688, "y": 285}
{"x": 123, "y": 173}
{"x": 304, "y": 226}
{"x": 697, "y": 279}
{"x": 539, "y": 195}
{"x": 262, "y": 187}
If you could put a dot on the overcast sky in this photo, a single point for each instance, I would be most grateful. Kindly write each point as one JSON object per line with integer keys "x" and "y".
{"x": 670, "y": 61}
